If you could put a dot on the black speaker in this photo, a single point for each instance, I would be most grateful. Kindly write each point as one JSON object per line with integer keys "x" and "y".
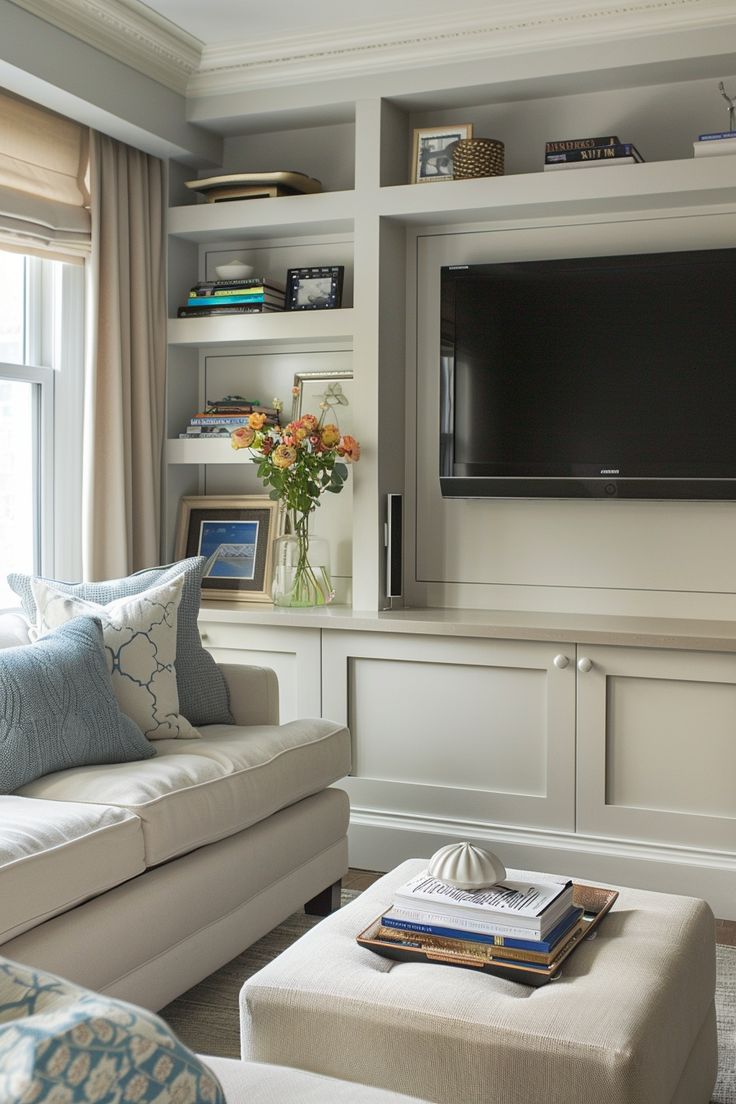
{"x": 394, "y": 545}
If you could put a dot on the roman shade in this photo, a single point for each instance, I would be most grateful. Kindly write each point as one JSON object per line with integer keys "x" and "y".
{"x": 43, "y": 195}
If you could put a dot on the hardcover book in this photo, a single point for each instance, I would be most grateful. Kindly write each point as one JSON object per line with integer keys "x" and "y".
{"x": 502, "y": 936}
{"x": 562, "y": 144}
{"x": 595, "y": 153}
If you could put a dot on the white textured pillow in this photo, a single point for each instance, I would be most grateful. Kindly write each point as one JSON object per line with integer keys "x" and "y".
{"x": 139, "y": 633}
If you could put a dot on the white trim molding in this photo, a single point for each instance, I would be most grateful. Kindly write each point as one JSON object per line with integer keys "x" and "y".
{"x": 130, "y": 32}
{"x": 516, "y": 26}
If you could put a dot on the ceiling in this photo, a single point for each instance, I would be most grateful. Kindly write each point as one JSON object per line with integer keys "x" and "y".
{"x": 215, "y": 22}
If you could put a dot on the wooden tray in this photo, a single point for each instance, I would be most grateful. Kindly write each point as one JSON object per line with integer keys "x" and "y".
{"x": 594, "y": 901}
{"x": 225, "y": 187}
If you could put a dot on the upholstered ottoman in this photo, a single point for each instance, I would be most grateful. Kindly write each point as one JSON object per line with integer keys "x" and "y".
{"x": 630, "y": 1021}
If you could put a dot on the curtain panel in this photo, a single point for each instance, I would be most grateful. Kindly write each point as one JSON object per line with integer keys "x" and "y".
{"x": 126, "y": 360}
{"x": 43, "y": 192}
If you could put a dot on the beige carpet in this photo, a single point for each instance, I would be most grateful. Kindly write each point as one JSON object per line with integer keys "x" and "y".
{"x": 206, "y": 1017}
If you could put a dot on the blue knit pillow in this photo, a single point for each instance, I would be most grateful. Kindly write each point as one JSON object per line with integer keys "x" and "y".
{"x": 59, "y": 1042}
{"x": 203, "y": 697}
{"x": 57, "y": 707}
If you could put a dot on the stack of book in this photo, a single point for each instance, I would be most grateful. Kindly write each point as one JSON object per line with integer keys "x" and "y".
{"x": 710, "y": 145}
{"x": 528, "y": 920}
{"x": 220, "y": 418}
{"x": 254, "y": 295}
{"x": 577, "y": 153}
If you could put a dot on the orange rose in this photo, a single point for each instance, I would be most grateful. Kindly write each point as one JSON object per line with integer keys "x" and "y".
{"x": 309, "y": 422}
{"x": 350, "y": 448}
{"x": 284, "y": 456}
{"x": 255, "y": 421}
{"x": 330, "y": 435}
{"x": 242, "y": 437}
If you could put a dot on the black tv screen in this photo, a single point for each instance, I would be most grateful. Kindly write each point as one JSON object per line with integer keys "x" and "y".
{"x": 594, "y": 377}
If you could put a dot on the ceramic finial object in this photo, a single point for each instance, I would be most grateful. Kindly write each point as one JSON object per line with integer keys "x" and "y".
{"x": 465, "y": 866}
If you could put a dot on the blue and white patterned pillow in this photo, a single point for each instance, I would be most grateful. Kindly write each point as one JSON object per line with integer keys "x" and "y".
{"x": 61, "y": 1044}
{"x": 203, "y": 697}
{"x": 57, "y": 708}
{"x": 140, "y": 642}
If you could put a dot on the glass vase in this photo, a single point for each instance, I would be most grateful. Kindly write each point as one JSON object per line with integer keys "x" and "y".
{"x": 301, "y": 570}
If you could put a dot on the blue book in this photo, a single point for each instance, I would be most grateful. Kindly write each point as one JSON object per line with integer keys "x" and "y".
{"x": 221, "y": 300}
{"x": 542, "y": 945}
{"x": 717, "y": 135}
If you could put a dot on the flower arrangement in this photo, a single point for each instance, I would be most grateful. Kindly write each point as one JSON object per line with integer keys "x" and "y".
{"x": 300, "y": 462}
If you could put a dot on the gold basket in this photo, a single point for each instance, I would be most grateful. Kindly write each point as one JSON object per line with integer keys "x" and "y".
{"x": 477, "y": 157}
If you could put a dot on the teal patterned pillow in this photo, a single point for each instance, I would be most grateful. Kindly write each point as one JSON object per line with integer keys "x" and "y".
{"x": 58, "y": 710}
{"x": 203, "y": 697}
{"x": 61, "y": 1044}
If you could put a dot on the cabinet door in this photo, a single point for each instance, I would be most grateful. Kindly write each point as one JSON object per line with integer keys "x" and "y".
{"x": 292, "y": 653}
{"x": 657, "y": 746}
{"x": 474, "y": 731}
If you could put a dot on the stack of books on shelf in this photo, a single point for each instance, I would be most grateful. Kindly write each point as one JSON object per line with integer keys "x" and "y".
{"x": 527, "y": 921}
{"x": 711, "y": 145}
{"x": 254, "y": 295}
{"x": 220, "y": 418}
{"x": 577, "y": 153}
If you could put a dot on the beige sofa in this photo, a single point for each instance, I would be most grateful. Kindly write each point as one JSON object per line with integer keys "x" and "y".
{"x": 139, "y": 879}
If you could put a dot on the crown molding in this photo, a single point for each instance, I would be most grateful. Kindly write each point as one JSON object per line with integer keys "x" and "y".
{"x": 517, "y": 25}
{"x": 128, "y": 31}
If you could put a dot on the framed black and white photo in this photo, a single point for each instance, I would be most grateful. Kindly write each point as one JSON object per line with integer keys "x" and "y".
{"x": 314, "y": 288}
{"x": 235, "y": 534}
{"x": 431, "y": 158}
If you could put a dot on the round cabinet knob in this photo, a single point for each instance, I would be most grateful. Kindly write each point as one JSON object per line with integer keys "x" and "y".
{"x": 585, "y": 664}
{"x": 560, "y": 662}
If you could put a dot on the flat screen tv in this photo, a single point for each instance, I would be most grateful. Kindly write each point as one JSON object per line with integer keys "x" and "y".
{"x": 590, "y": 377}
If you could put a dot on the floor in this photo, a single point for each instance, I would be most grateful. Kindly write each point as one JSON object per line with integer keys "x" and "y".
{"x": 361, "y": 879}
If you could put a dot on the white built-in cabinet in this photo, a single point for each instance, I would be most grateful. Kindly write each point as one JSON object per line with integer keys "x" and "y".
{"x": 608, "y": 760}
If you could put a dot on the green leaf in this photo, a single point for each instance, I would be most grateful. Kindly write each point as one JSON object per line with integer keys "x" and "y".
{"x": 341, "y": 470}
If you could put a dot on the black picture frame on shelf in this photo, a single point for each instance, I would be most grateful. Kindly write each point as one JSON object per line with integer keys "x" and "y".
{"x": 314, "y": 288}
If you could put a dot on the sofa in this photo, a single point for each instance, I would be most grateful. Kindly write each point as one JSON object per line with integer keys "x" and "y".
{"x": 138, "y": 879}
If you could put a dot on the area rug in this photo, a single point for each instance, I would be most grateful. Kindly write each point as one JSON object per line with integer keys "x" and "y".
{"x": 206, "y": 1017}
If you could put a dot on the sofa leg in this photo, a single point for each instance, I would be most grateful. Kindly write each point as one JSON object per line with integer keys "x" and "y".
{"x": 325, "y": 902}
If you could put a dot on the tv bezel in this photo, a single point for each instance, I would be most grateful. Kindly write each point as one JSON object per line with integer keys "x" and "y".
{"x": 562, "y": 486}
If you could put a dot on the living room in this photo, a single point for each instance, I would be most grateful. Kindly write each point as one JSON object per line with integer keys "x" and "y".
{"x": 547, "y": 673}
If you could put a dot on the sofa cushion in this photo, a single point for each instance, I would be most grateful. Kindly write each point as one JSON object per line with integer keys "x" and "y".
{"x": 56, "y": 854}
{"x": 139, "y": 632}
{"x": 13, "y": 630}
{"x": 259, "y": 1083}
{"x": 60, "y": 1044}
{"x": 57, "y": 708}
{"x": 202, "y": 691}
{"x": 195, "y": 793}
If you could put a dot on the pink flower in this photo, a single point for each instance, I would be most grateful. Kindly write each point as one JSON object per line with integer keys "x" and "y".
{"x": 242, "y": 437}
{"x": 309, "y": 422}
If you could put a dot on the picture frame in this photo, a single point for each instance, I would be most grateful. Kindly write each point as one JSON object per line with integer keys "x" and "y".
{"x": 431, "y": 157}
{"x": 311, "y": 389}
{"x": 314, "y": 288}
{"x": 236, "y": 534}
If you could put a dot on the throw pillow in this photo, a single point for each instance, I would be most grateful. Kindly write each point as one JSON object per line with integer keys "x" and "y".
{"x": 61, "y": 1043}
{"x": 57, "y": 708}
{"x": 140, "y": 641}
{"x": 203, "y": 695}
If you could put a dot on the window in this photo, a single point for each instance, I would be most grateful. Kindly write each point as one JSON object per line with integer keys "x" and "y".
{"x": 41, "y": 373}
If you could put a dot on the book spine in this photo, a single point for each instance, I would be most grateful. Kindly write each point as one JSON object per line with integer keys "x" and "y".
{"x": 717, "y": 136}
{"x": 224, "y": 300}
{"x": 595, "y": 153}
{"x": 220, "y": 420}
{"x": 240, "y": 289}
{"x": 522, "y": 941}
{"x": 564, "y": 144}
{"x": 232, "y": 308}
{"x": 249, "y": 282}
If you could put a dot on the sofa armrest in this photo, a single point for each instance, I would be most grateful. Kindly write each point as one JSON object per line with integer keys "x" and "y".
{"x": 254, "y": 693}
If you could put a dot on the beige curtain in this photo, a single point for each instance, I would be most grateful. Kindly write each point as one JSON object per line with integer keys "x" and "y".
{"x": 43, "y": 193}
{"x": 126, "y": 356}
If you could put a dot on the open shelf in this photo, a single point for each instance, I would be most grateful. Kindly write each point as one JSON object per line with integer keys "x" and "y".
{"x": 303, "y": 327}
{"x": 293, "y": 216}
{"x": 179, "y": 451}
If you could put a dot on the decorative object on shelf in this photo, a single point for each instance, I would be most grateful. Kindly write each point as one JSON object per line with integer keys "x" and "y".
{"x": 731, "y": 101}
{"x": 300, "y": 463}
{"x": 236, "y": 534}
{"x": 465, "y": 866}
{"x": 473, "y": 157}
{"x": 234, "y": 270}
{"x": 254, "y": 185}
{"x": 432, "y": 150}
{"x": 314, "y": 288}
